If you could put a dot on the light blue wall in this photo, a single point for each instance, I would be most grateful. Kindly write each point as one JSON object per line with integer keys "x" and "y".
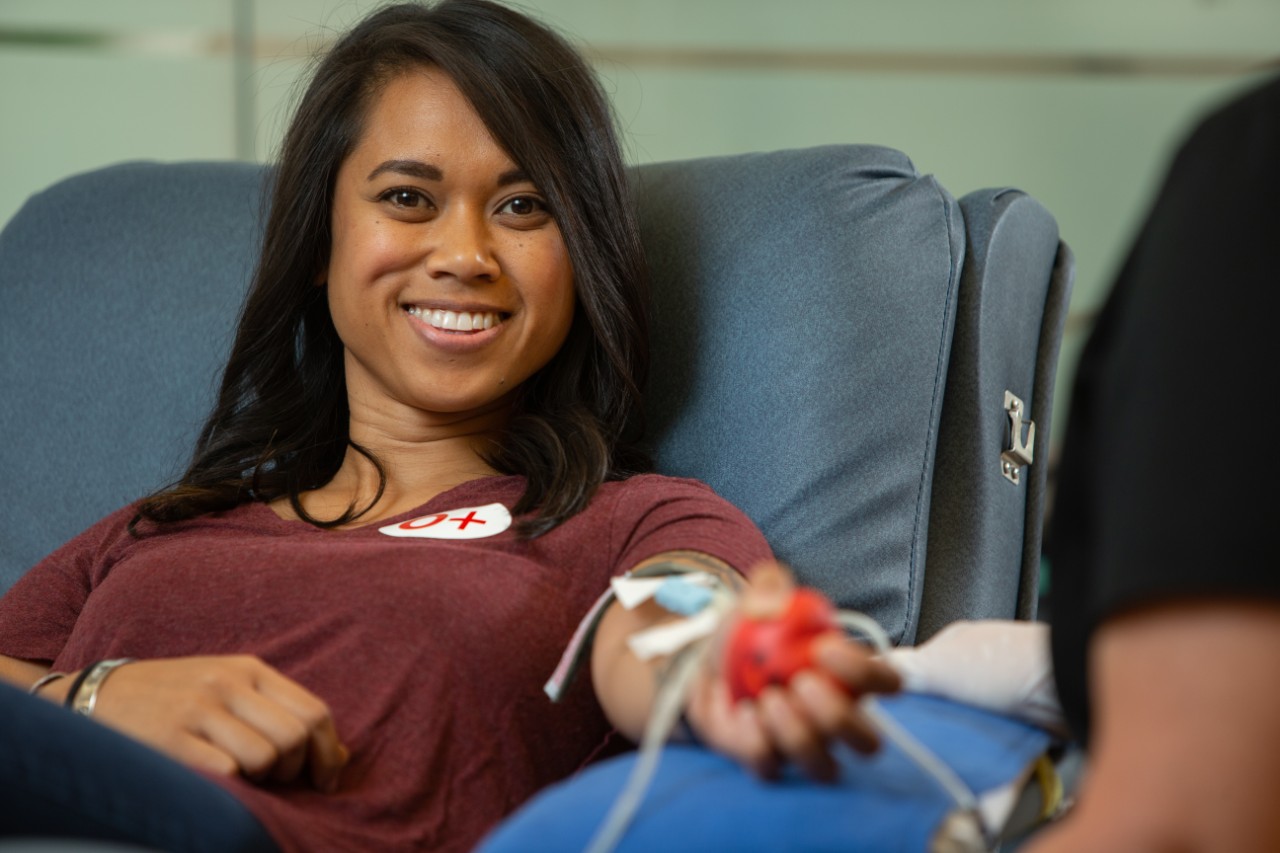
{"x": 1078, "y": 103}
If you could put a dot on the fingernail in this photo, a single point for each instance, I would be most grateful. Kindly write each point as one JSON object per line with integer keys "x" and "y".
{"x": 805, "y": 683}
{"x": 830, "y": 647}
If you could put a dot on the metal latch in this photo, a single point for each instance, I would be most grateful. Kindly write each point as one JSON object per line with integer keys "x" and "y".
{"x": 1019, "y": 452}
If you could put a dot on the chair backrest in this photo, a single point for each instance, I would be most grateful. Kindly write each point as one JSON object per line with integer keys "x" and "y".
{"x": 805, "y": 307}
{"x": 984, "y": 528}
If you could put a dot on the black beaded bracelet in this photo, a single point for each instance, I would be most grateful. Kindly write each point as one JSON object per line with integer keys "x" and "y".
{"x": 78, "y": 683}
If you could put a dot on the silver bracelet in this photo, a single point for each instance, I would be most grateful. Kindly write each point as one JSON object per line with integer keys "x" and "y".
{"x": 86, "y": 695}
{"x": 43, "y": 680}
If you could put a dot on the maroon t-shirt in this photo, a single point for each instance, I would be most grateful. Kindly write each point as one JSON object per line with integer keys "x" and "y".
{"x": 431, "y": 650}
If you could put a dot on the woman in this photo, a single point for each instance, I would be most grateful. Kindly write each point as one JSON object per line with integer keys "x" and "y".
{"x": 416, "y": 480}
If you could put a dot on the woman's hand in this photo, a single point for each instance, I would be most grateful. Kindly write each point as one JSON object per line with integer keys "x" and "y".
{"x": 798, "y": 722}
{"x": 225, "y": 715}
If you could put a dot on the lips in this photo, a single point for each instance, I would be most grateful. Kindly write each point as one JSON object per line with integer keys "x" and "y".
{"x": 456, "y": 321}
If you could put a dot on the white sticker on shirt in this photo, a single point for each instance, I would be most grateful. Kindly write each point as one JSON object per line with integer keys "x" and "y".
{"x": 472, "y": 522}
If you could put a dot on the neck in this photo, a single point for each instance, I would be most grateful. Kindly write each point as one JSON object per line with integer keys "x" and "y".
{"x": 419, "y": 461}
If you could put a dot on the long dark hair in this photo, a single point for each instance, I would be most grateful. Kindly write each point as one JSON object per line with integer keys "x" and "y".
{"x": 280, "y": 425}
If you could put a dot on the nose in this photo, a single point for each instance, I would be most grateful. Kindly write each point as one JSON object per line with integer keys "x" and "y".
{"x": 462, "y": 247}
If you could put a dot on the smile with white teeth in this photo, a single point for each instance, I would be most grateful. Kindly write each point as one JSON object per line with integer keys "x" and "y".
{"x": 456, "y": 321}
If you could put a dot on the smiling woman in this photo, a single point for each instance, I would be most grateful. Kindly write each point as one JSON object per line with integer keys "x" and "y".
{"x": 380, "y": 158}
{"x": 421, "y": 472}
{"x": 444, "y": 231}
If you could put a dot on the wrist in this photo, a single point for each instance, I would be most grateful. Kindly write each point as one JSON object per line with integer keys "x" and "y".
{"x": 81, "y": 696}
{"x": 41, "y": 685}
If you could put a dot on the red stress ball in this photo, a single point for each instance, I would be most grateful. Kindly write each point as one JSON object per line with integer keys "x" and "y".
{"x": 764, "y": 651}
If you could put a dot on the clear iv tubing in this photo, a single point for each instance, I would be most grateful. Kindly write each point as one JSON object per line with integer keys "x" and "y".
{"x": 667, "y": 710}
{"x": 918, "y": 753}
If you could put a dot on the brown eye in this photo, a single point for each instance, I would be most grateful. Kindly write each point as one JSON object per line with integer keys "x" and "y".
{"x": 404, "y": 198}
{"x": 524, "y": 205}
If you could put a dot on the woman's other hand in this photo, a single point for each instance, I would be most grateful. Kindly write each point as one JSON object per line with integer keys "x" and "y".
{"x": 226, "y": 715}
{"x": 798, "y": 722}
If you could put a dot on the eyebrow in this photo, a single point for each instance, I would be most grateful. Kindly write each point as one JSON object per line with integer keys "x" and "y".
{"x": 412, "y": 168}
{"x": 428, "y": 172}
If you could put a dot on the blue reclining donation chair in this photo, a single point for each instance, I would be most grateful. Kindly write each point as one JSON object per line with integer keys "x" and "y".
{"x": 861, "y": 362}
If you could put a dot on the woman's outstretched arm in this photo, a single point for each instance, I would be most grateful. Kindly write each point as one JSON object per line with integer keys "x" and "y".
{"x": 796, "y": 723}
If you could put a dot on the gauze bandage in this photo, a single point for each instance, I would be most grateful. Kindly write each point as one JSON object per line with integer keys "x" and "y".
{"x": 1000, "y": 665}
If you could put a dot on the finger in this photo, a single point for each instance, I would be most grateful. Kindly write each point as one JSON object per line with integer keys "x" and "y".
{"x": 768, "y": 592}
{"x": 757, "y": 752}
{"x": 834, "y": 713}
{"x": 854, "y": 665}
{"x": 288, "y": 734}
{"x": 326, "y": 755}
{"x": 253, "y": 754}
{"x": 795, "y": 737}
{"x": 823, "y": 703}
{"x": 733, "y": 729}
{"x": 711, "y": 717}
{"x": 197, "y": 752}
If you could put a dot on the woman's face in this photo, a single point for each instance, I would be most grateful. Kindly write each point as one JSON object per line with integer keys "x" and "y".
{"x": 449, "y": 283}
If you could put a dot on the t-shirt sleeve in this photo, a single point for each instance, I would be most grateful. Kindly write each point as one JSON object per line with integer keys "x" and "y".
{"x": 38, "y": 613}
{"x": 658, "y": 514}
